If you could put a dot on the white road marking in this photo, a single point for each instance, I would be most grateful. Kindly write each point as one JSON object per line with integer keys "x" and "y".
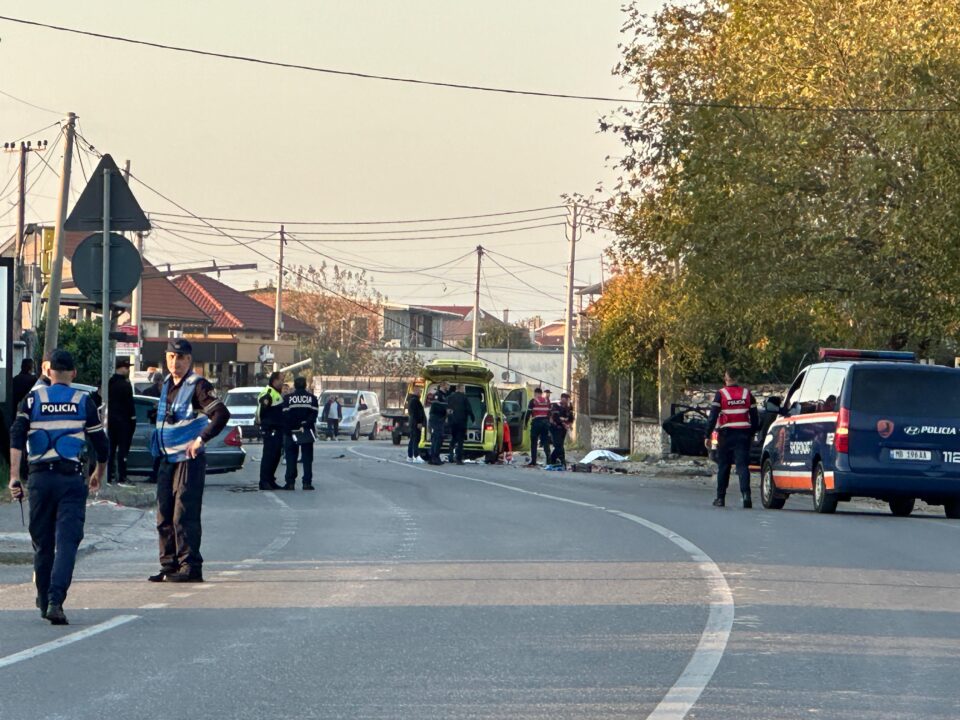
{"x": 154, "y": 606}
{"x": 180, "y": 595}
{"x": 685, "y": 692}
{"x": 273, "y": 496}
{"x": 65, "y": 640}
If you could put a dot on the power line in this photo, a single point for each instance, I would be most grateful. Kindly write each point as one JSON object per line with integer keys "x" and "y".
{"x": 36, "y": 179}
{"x": 385, "y": 239}
{"x": 392, "y": 231}
{"x": 520, "y": 279}
{"x": 25, "y": 102}
{"x": 404, "y": 221}
{"x": 406, "y": 271}
{"x": 756, "y": 107}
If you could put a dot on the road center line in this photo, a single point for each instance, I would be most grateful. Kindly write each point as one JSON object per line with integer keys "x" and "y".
{"x": 685, "y": 692}
{"x": 66, "y": 640}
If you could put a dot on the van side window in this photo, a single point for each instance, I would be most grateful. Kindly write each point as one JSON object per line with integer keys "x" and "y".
{"x": 830, "y": 391}
{"x": 810, "y": 392}
{"x": 793, "y": 394}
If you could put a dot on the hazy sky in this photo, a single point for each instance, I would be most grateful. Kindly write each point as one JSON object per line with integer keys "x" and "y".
{"x": 235, "y": 140}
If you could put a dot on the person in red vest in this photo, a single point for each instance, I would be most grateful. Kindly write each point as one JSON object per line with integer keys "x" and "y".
{"x": 539, "y": 418}
{"x": 733, "y": 414}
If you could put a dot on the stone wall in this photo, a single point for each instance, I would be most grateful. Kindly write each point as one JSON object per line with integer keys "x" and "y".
{"x": 703, "y": 396}
{"x": 603, "y": 432}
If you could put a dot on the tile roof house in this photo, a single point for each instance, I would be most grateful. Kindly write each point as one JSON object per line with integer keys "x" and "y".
{"x": 460, "y": 328}
{"x": 234, "y": 310}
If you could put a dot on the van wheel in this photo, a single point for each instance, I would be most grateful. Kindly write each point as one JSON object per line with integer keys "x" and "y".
{"x": 373, "y": 432}
{"x": 951, "y": 508}
{"x": 901, "y": 507}
{"x": 356, "y": 433}
{"x": 823, "y": 502}
{"x": 770, "y": 497}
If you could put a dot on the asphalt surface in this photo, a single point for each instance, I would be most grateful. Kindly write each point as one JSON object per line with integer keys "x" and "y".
{"x": 399, "y": 591}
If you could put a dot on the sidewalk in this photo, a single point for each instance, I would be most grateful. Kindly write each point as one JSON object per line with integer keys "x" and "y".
{"x": 110, "y": 513}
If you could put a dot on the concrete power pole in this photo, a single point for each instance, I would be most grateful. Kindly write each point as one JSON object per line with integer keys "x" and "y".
{"x": 568, "y": 325}
{"x": 278, "y": 310}
{"x": 51, "y": 336}
{"x": 18, "y": 247}
{"x": 476, "y": 307}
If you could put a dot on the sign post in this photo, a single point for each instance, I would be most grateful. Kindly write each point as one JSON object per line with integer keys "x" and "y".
{"x": 105, "y": 326}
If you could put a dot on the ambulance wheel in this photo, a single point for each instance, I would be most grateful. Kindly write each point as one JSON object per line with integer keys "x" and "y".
{"x": 951, "y": 508}
{"x": 396, "y": 437}
{"x": 823, "y": 502}
{"x": 493, "y": 457}
{"x": 356, "y": 433}
{"x": 770, "y": 497}
{"x": 901, "y": 506}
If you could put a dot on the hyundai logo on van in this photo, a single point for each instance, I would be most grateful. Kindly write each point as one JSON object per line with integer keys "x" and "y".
{"x": 929, "y": 430}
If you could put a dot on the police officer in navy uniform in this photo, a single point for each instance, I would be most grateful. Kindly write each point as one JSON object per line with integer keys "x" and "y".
{"x": 734, "y": 415}
{"x": 52, "y": 423}
{"x": 300, "y": 411}
{"x": 270, "y": 418}
{"x": 189, "y": 415}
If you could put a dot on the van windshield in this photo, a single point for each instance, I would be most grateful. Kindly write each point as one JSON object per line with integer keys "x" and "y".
{"x": 240, "y": 399}
{"x": 347, "y": 401}
{"x": 906, "y": 392}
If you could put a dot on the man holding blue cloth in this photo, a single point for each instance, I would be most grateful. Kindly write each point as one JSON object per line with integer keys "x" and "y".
{"x": 189, "y": 415}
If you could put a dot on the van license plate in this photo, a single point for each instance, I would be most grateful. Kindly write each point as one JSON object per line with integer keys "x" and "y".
{"x": 910, "y": 455}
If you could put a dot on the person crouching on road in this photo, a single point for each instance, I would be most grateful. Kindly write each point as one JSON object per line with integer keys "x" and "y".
{"x": 417, "y": 420}
{"x": 438, "y": 421}
{"x": 269, "y": 416}
{"x": 561, "y": 420}
{"x": 51, "y": 425}
{"x": 189, "y": 415}
{"x": 332, "y": 415}
{"x": 734, "y": 415}
{"x": 539, "y": 416}
{"x": 300, "y": 410}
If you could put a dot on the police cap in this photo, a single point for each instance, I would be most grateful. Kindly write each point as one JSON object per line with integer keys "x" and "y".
{"x": 180, "y": 346}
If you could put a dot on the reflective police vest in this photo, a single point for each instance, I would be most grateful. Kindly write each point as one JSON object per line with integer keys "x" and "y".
{"x": 178, "y": 423}
{"x": 273, "y": 417}
{"x": 57, "y": 424}
{"x": 540, "y": 409}
{"x": 735, "y": 402}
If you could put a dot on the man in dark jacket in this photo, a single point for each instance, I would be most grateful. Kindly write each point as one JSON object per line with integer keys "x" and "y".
{"x": 561, "y": 420}
{"x": 417, "y": 419}
{"x": 332, "y": 415}
{"x": 270, "y": 417}
{"x": 23, "y": 382}
{"x": 121, "y": 421}
{"x": 460, "y": 413}
{"x": 300, "y": 410}
{"x": 438, "y": 421}
{"x": 733, "y": 413}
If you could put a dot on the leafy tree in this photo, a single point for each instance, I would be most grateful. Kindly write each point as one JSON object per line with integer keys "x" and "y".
{"x": 777, "y": 230}
{"x": 82, "y": 339}
{"x": 495, "y": 334}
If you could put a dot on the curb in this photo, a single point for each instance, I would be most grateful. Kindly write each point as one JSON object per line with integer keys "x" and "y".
{"x": 136, "y": 496}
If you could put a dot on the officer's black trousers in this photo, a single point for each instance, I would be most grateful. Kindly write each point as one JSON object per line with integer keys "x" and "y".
{"x": 733, "y": 448}
{"x": 270, "y": 461}
{"x": 58, "y": 505}
{"x": 291, "y": 451}
{"x": 540, "y": 433}
{"x": 179, "y": 499}
{"x": 413, "y": 446}
{"x": 437, "y": 428}
{"x": 559, "y": 454}
{"x": 121, "y": 436}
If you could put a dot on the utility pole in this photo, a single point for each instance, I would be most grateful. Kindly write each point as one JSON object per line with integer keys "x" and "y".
{"x": 278, "y": 310}
{"x": 56, "y": 269}
{"x": 136, "y": 297}
{"x": 476, "y": 307}
{"x": 18, "y": 280}
{"x": 568, "y": 326}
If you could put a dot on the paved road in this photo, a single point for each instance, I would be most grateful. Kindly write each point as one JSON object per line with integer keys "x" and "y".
{"x": 399, "y": 591}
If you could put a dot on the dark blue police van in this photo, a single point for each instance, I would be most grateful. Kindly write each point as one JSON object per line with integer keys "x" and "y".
{"x": 866, "y": 423}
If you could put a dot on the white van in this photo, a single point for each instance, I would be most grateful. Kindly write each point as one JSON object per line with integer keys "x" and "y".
{"x": 361, "y": 413}
{"x": 242, "y": 403}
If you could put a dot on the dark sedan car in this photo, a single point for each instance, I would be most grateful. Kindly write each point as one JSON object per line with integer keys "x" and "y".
{"x": 687, "y": 428}
{"x": 225, "y": 452}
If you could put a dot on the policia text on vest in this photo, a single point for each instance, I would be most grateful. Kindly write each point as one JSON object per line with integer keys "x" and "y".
{"x": 52, "y": 424}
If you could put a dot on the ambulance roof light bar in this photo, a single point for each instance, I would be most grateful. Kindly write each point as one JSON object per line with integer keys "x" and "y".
{"x": 827, "y": 354}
